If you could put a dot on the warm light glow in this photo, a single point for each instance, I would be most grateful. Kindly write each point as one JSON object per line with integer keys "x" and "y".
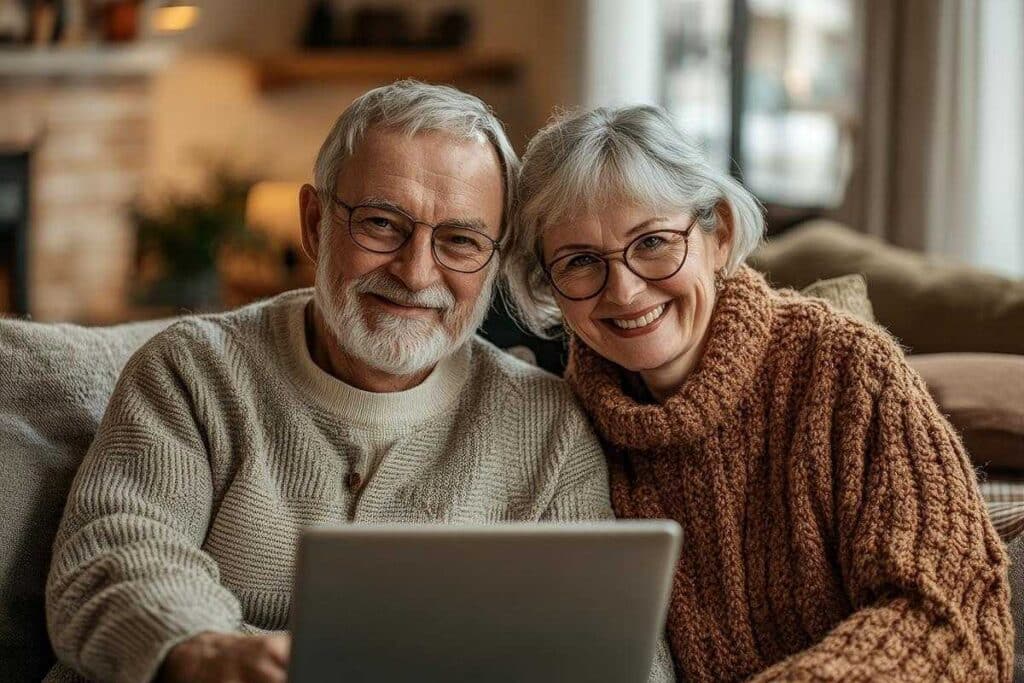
{"x": 175, "y": 18}
{"x": 272, "y": 208}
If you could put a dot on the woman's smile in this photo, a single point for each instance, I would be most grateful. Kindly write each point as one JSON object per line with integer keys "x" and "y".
{"x": 638, "y": 323}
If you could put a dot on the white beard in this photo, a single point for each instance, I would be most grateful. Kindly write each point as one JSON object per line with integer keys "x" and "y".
{"x": 398, "y": 345}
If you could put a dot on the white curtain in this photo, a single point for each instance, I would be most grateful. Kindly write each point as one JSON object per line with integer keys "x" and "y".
{"x": 976, "y": 213}
{"x": 940, "y": 153}
{"x": 622, "y": 59}
{"x": 999, "y": 184}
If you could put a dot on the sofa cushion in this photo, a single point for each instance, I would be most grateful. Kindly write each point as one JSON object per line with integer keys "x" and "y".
{"x": 982, "y": 394}
{"x": 848, "y": 293}
{"x": 56, "y": 380}
{"x": 1008, "y": 519}
{"x": 929, "y": 305}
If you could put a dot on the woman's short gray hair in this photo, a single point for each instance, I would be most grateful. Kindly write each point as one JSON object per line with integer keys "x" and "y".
{"x": 410, "y": 107}
{"x": 582, "y": 160}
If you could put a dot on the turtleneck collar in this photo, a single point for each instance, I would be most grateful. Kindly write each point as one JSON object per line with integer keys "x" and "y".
{"x": 738, "y": 338}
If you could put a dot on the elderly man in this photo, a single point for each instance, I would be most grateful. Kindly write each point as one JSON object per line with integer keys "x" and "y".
{"x": 365, "y": 399}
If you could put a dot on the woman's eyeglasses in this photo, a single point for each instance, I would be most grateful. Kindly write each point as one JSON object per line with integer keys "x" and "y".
{"x": 653, "y": 256}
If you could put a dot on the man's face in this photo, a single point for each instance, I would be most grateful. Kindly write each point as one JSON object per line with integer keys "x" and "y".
{"x": 401, "y": 312}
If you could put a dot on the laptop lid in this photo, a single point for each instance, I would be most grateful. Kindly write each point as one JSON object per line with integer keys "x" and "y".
{"x": 508, "y": 602}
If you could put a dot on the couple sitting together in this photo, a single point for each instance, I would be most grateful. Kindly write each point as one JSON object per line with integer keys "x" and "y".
{"x": 832, "y": 526}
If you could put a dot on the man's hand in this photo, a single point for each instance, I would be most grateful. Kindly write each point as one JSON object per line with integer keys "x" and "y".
{"x": 228, "y": 658}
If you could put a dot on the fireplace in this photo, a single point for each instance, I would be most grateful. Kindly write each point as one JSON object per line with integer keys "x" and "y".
{"x": 14, "y": 222}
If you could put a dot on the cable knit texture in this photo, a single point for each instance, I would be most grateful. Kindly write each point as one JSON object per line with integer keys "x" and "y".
{"x": 833, "y": 525}
{"x": 222, "y": 440}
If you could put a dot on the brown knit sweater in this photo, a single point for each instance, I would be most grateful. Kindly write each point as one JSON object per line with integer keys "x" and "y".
{"x": 833, "y": 526}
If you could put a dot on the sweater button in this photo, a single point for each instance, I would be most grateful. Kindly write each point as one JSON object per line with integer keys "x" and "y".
{"x": 353, "y": 481}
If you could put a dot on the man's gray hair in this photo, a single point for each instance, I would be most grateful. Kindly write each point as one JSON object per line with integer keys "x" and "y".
{"x": 411, "y": 107}
{"x": 583, "y": 160}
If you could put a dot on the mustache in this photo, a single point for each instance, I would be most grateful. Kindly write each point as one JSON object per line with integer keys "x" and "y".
{"x": 380, "y": 283}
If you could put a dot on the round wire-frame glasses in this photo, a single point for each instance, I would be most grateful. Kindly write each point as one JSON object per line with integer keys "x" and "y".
{"x": 385, "y": 230}
{"x": 653, "y": 256}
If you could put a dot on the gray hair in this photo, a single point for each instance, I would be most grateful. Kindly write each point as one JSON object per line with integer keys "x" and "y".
{"x": 582, "y": 160}
{"x": 410, "y": 107}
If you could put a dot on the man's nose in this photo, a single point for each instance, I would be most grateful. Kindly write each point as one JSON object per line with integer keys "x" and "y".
{"x": 414, "y": 263}
{"x": 623, "y": 285}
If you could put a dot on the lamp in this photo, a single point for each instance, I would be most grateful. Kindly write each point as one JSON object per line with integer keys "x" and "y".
{"x": 175, "y": 16}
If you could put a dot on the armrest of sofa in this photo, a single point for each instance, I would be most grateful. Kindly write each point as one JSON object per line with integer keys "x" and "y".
{"x": 929, "y": 305}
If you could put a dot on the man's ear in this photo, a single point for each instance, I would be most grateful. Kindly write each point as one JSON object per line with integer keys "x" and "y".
{"x": 310, "y": 213}
{"x": 725, "y": 229}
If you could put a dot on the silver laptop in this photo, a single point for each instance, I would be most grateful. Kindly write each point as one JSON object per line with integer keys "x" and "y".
{"x": 510, "y": 602}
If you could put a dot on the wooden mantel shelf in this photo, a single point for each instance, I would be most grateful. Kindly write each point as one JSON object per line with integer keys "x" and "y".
{"x": 137, "y": 60}
{"x": 437, "y": 66}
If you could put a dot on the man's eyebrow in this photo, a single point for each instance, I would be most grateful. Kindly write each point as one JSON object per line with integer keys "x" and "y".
{"x": 381, "y": 203}
{"x": 477, "y": 224}
{"x": 639, "y": 227}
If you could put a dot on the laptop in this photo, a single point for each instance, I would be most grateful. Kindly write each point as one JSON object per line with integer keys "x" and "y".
{"x": 509, "y": 602}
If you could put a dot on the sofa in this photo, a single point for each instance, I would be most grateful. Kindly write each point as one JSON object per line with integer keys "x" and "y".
{"x": 54, "y": 384}
{"x": 55, "y": 380}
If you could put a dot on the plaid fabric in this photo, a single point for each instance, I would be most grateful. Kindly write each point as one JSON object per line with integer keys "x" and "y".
{"x": 1002, "y": 491}
{"x": 1005, "y": 501}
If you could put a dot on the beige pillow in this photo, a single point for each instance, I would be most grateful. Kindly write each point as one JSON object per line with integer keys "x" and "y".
{"x": 982, "y": 394}
{"x": 847, "y": 293}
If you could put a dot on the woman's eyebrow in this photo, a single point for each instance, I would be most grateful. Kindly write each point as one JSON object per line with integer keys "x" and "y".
{"x": 575, "y": 247}
{"x": 646, "y": 224}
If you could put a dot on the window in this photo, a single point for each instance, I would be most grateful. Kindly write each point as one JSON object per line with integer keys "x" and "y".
{"x": 798, "y": 81}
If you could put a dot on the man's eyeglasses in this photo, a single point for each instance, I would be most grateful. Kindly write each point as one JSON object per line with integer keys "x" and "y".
{"x": 385, "y": 230}
{"x": 653, "y": 256}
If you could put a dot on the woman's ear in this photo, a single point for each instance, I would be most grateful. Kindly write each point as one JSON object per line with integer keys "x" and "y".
{"x": 310, "y": 214}
{"x": 725, "y": 229}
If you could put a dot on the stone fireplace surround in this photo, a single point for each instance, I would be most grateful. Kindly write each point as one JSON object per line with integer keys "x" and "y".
{"x": 106, "y": 124}
{"x": 85, "y": 122}
{"x": 14, "y": 217}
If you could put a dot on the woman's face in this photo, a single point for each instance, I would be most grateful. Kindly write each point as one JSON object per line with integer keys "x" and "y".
{"x": 643, "y": 326}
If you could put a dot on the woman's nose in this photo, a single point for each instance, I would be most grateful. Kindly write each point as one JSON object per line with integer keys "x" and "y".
{"x": 623, "y": 285}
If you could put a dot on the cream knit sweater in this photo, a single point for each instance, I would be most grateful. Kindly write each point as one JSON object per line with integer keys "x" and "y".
{"x": 223, "y": 440}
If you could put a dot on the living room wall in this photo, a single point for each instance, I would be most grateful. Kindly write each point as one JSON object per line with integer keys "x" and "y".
{"x": 208, "y": 104}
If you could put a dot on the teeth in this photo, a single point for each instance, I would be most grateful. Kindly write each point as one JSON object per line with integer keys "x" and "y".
{"x": 642, "y": 321}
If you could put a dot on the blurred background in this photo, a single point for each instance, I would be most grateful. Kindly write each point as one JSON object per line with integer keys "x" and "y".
{"x": 151, "y": 151}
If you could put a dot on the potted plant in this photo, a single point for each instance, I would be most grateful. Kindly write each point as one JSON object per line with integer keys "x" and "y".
{"x": 179, "y": 238}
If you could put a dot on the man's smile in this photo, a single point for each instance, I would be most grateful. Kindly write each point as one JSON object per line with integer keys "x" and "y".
{"x": 401, "y": 309}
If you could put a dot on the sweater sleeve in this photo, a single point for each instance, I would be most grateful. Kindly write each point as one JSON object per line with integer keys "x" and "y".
{"x": 128, "y": 578}
{"x": 921, "y": 562}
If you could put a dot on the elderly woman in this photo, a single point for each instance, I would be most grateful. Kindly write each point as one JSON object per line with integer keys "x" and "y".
{"x": 832, "y": 525}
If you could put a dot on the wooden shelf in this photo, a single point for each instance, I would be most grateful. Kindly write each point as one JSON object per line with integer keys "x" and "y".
{"x": 435, "y": 66}
{"x": 138, "y": 60}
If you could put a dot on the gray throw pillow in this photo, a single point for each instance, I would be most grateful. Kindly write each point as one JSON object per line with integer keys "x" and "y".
{"x": 55, "y": 381}
{"x": 1015, "y": 549}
